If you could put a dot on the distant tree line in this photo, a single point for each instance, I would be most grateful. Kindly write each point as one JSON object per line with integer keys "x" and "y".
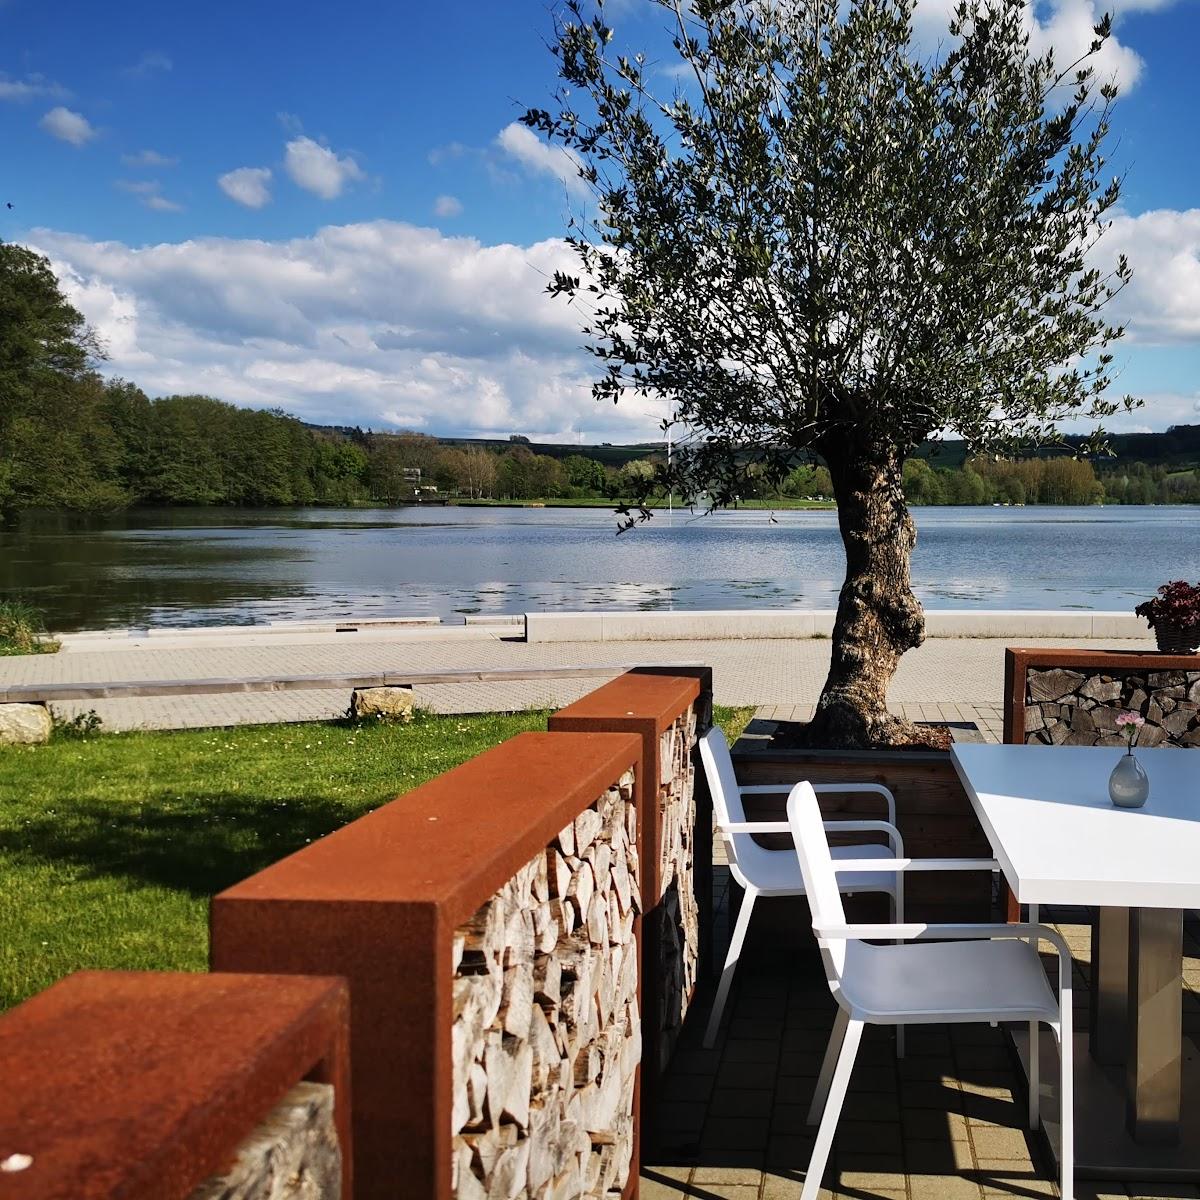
{"x": 92, "y": 444}
{"x": 1048, "y": 481}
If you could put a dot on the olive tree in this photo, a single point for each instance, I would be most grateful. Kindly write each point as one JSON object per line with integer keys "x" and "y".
{"x": 822, "y": 242}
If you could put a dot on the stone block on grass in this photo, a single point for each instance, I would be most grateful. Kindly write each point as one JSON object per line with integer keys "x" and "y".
{"x": 386, "y": 703}
{"x": 25, "y": 724}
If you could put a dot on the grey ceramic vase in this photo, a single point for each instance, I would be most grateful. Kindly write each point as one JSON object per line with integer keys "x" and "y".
{"x": 1128, "y": 785}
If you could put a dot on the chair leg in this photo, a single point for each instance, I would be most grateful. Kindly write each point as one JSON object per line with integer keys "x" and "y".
{"x": 898, "y": 918}
{"x": 1066, "y": 1104}
{"x": 1035, "y": 1074}
{"x": 836, "y": 1037}
{"x": 1035, "y": 1050}
{"x": 731, "y": 961}
{"x": 833, "y": 1109}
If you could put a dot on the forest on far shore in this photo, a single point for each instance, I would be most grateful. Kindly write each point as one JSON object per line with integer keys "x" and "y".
{"x": 103, "y": 444}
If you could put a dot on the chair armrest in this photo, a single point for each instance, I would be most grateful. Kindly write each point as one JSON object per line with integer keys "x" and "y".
{"x": 754, "y": 827}
{"x": 855, "y": 826}
{"x": 853, "y": 865}
{"x": 893, "y": 833}
{"x": 776, "y": 789}
{"x": 876, "y": 789}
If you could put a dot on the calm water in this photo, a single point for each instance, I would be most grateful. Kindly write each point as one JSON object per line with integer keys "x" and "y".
{"x": 222, "y": 566}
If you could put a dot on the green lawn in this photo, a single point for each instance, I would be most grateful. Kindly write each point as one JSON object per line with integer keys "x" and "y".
{"x": 110, "y": 846}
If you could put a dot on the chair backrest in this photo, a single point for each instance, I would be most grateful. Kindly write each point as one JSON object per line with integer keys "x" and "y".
{"x": 746, "y": 856}
{"x": 820, "y": 881}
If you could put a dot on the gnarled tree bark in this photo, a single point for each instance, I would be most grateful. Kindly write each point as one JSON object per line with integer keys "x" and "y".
{"x": 878, "y": 617}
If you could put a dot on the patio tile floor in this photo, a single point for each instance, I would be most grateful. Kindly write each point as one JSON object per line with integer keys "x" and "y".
{"x": 944, "y": 1123}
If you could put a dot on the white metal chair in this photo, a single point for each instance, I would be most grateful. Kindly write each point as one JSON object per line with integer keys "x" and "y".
{"x": 765, "y": 872}
{"x": 974, "y": 973}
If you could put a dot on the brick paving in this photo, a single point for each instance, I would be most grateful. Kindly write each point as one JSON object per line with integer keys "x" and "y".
{"x": 947, "y": 678}
{"x": 946, "y": 1122}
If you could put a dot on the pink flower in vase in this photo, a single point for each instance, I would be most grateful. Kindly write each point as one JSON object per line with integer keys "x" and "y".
{"x": 1129, "y": 723}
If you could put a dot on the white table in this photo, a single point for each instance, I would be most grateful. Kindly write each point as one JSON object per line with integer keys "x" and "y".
{"x": 1059, "y": 840}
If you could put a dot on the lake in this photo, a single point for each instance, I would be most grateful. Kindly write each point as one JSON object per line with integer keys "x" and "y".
{"x": 176, "y": 567}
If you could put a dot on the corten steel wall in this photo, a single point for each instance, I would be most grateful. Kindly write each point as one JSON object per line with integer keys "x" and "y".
{"x": 933, "y": 813}
{"x": 1072, "y": 697}
{"x": 547, "y": 1038}
{"x": 144, "y": 1085}
{"x": 668, "y": 708}
{"x": 379, "y": 902}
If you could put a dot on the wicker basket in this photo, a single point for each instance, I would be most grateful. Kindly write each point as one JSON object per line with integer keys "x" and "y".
{"x": 1177, "y": 639}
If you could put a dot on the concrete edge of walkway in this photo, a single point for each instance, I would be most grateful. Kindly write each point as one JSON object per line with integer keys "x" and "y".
{"x": 618, "y": 626}
{"x": 818, "y": 623}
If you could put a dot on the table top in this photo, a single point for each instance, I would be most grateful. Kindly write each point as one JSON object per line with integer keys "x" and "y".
{"x": 1060, "y": 840}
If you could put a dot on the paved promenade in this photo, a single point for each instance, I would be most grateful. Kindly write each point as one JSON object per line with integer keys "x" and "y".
{"x": 947, "y": 678}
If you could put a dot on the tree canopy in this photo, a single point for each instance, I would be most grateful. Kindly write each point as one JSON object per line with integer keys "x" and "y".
{"x": 824, "y": 241}
{"x": 40, "y": 331}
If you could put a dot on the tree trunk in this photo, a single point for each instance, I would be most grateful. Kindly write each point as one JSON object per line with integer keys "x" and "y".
{"x": 878, "y": 617}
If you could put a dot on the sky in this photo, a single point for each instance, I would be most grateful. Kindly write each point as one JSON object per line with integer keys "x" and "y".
{"x": 332, "y": 209}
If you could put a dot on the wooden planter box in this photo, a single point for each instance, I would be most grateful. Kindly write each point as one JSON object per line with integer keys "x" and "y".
{"x": 932, "y": 811}
{"x": 1072, "y": 697}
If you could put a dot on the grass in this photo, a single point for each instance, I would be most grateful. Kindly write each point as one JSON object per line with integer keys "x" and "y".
{"x": 23, "y": 630}
{"x": 112, "y": 844}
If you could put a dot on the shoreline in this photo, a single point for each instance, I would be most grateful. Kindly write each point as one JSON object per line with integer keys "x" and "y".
{"x": 784, "y": 504}
{"x": 614, "y": 625}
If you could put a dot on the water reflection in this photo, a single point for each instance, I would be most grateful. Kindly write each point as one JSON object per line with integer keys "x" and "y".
{"x": 209, "y": 566}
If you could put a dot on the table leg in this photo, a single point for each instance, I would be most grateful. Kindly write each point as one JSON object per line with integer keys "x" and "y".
{"x": 1109, "y": 995}
{"x": 1155, "y": 1015}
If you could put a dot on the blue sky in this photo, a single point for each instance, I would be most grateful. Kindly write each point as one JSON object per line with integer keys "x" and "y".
{"x": 415, "y": 93}
{"x": 377, "y": 249}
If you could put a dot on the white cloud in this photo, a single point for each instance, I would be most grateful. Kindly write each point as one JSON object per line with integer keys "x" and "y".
{"x": 149, "y": 192}
{"x": 384, "y": 323}
{"x": 1160, "y": 410}
{"x": 162, "y": 204}
{"x": 247, "y": 185}
{"x": 149, "y": 158}
{"x": 447, "y": 206}
{"x": 29, "y": 88}
{"x": 68, "y": 126}
{"x": 1119, "y": 7}
{"x": 1162, "y": 302}
{"x": 678, "y": 71}
{"x": 380, "y": 323}
{"x": 450, "y": 152}
{"x": 1068, "y": 30}
{"x": 540, "y": 157}
{"x": 318, "y": 169}
{"x": 150, "y": 63}
{"x": 1064, "y": 26}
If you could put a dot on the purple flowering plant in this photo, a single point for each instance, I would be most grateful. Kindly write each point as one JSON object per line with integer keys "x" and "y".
{"x": 1177, "y": 603}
